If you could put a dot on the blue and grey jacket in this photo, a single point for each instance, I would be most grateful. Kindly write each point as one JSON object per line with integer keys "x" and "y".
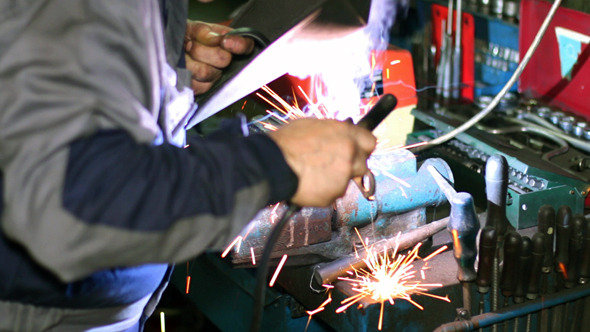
{"x": 93, "y": 211}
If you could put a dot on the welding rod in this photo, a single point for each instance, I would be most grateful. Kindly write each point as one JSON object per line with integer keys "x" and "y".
{"x": 329, "y": 272}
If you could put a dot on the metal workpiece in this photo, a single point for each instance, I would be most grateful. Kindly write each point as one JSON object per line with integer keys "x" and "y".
{"x": 496, "y": 179}
{"x": 327, "y": 273}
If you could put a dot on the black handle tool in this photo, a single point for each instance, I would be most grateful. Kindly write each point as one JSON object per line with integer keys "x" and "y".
{"x": 485, "y": 265}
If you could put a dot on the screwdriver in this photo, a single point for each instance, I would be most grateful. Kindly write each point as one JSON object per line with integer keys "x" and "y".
{"x": 562, "y": 236}
{"x": 464, "y": 226}
{"x": 537, "y": 257}
{"x": 585, "y": 264}
{"x": 487, "y": 251}
{"x": 585, "y": 271}
{"x": 546, "y": 226}
{"x": 576, "y": 244}
{"x": 512, "y": 245}
{"x": 523, "y": 273}
{"x": 496, "y": 180}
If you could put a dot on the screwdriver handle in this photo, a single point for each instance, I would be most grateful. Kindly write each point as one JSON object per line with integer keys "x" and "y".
{"x": 487, "y": 251}
{"x": 512, "y": 244}
{"x": 546, "y": 226}
{"x": 464, "y": 226}
{"x": 575, "y": 249}
{"x": 562, "y": 237}
{"x": 537, "y": 258}
{"x": 585, "y": 265}
{"x": 524, "y": 269}
{"x": 496, "y": 179}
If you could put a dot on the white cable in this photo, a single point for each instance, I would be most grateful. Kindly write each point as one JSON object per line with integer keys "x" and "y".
{"x": 525, "y": 60}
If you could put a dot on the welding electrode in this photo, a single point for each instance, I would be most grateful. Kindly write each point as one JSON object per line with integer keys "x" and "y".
{"x": 378, "y": 112}
{"x": 512, "y": 245}
{"x": 562, "y": 239}
{"x": 464, "y": 226}
{"x": 487, "y": 251}
{"x": 496, "y": 178}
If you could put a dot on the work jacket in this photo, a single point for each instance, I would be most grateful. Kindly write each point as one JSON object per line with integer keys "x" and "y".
{"x": 101, "y": 190}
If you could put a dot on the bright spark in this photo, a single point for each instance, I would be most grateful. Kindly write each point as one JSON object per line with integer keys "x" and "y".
{"x": 277, "y": 271}
{"x": 253, "y": 256}
{"x": 236, "y": 240}
{"x": 386, "y": 278}
{"x": 188, "y": 284}
{"x": 162, "y": 322}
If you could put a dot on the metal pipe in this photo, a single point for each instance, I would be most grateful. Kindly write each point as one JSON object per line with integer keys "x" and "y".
{"x": 518, "y": 310}
{"x": 329, "y": 272}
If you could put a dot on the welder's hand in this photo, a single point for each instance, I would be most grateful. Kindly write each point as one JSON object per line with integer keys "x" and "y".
{"x": 208, "y": 51}
{"x": 325, "y": 155}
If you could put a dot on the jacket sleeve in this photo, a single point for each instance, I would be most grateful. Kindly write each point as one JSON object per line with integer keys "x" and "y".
{"x": 84, "y": 187}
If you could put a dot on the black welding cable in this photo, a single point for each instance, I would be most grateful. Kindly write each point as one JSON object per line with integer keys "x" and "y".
{"x": 262, "y": 272}
{"x": 525, "y": 60}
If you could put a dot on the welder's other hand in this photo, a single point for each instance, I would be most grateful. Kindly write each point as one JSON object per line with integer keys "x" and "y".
{"x": 208, "y": 51}
{"x": 325, "y": 155}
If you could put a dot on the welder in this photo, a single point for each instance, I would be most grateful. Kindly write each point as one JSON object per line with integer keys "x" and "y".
{"x": 101, "y": 193}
